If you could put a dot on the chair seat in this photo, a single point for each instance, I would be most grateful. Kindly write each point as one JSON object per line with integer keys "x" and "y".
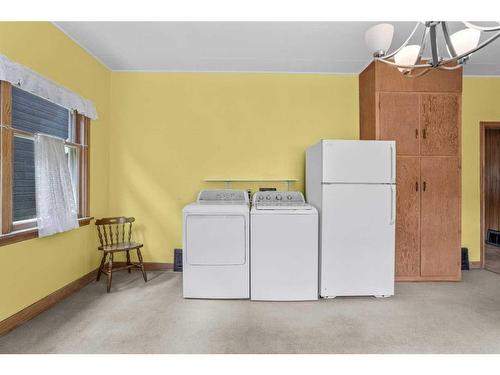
{"x": 122, "y": 246}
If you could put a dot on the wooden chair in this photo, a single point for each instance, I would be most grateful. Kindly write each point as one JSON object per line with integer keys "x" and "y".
{"x": 115, "y": 234}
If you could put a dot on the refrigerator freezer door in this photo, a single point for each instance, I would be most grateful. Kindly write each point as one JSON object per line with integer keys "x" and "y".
{"x": 357, "y": 240}
{"x": 368, "y": 162}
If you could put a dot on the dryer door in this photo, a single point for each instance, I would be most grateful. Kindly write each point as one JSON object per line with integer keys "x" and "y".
{"x": 216, "y": 239}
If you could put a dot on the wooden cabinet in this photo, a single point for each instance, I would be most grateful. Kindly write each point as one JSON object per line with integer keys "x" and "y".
{"x": 399, "y": 119}
{"x": 440, "y": 119}
{"x": 440, "y": 216}
{"x": 423, "y": 116}
{"x": 407, "y": 215}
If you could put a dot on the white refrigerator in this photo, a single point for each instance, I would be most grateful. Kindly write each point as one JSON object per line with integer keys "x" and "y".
{"x": 353, "y": 186}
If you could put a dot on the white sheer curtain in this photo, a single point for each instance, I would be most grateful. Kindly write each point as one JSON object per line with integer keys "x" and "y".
{"x": 55, "y": 203}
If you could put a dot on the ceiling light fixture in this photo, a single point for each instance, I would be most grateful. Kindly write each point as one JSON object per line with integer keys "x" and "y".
{"x": 409, "y": 58}
{"x": 378, "y": 38}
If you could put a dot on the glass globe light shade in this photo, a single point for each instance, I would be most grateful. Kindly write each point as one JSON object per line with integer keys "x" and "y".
{"x": 378, "y": 38}
{"x": 465, "y": 40}
{"x": 407, "y": 56}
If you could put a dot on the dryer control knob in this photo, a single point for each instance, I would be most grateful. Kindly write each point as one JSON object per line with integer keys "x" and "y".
{"x": 289, "y": 197}
{"x": 279, "y": 197}
{"x": 268, "y": 197}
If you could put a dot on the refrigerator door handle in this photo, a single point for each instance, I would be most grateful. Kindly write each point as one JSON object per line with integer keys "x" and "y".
{"x": 392, "y": 164}
{"x": 393, "y": 206}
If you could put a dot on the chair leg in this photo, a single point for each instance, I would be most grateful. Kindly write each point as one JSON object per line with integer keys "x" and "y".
{"x": 128, "y": 261}
{"x": 139, "y": 255}
{"x": 103, "y": 260}
{"x": 110, "y": 271}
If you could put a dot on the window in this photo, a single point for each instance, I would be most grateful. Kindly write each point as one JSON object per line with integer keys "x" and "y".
{"x": 24, "y": 114}
{"x": 33, "y": 114}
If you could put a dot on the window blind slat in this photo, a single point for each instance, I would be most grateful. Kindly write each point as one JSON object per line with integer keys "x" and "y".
{"x": 36, "y": 115}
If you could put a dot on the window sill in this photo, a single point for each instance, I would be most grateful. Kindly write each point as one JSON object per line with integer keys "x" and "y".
{"x": 30, "y": 233}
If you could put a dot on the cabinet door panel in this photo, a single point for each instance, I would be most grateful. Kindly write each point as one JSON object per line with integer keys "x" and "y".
{"x": 440, "y": 216}
{"x": 399, "y": 116}
{"x": 440, "y": 124}
{"x": 408, "y": 216}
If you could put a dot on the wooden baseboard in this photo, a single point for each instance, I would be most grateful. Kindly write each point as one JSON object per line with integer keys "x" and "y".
{"x": 47, "y": 302}
{"x": 475, "y": 265}
{"x": 150, "y": 266}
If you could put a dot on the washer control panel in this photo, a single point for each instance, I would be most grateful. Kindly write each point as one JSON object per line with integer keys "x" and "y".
{"x": 277, "y": 199}
{"x": 222, "y": 196}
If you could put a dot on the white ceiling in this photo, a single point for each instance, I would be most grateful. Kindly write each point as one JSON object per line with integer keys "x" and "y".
{"x": 295, "y": 47}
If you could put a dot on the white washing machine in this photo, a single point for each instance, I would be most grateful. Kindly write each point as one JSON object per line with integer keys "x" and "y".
{"x": 216, "y": 245}
{"x": 284, "y": 247}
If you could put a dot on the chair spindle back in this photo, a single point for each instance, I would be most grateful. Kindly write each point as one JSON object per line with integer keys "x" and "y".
{"x": 114, "y": 230}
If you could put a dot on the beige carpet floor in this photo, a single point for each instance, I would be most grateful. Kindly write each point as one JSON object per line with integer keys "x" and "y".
{"x": 461, "y": 317}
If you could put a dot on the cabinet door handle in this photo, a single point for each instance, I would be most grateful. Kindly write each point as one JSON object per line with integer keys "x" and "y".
{"x": 416, "y": 133}
{"x": 424, "y": 133}
{"x": 425, "y": 186}
{"x": 416, "y": 186}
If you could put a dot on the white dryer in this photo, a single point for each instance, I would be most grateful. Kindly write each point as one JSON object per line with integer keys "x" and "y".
{"x": 284, "y": 247}
{"x": 216, "y": 245}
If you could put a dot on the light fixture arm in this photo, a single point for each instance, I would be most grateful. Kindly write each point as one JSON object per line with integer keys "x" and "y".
{"x": 417, "y": 66}
{"x": 449, "y": 44}
{"x": 405, "y": 42}
{"x": 481, "y": 28}
{"x": 465, "y": 54}
{"x": 423, "y": 43}
{"x": 434, "y": 48}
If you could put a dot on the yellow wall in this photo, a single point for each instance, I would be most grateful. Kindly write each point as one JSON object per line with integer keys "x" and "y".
{"x": 480, "y": 102}
{"x": 171, "y": 131}
{"x": 35, "y": 268}
{"x": 160, "y": 134}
